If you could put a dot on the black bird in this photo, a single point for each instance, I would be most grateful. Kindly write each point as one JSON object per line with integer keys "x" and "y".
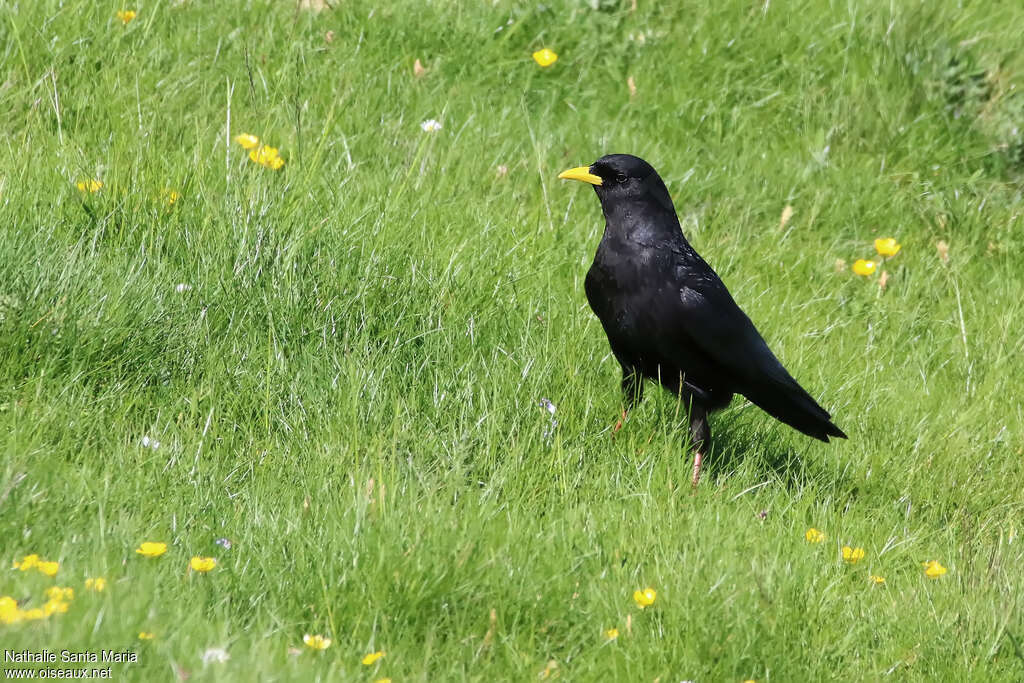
{"x": 668, "y": 316}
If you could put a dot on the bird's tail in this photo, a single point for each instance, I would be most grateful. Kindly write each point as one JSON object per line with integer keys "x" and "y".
{"x": 794, "y": 406}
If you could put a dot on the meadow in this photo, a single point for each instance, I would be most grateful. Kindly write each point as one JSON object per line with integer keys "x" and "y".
{"x": 329, "y": 376}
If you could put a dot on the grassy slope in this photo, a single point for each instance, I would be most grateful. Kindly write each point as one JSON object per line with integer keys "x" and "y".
{"x": 388, "y": 310}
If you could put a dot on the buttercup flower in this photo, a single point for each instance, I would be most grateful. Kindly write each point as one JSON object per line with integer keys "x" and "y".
{"x": 247, "y": 141}
{"x": 852, "y": 555}
{"x": 317, "y": 642}
{"x": 9, "y": 611}
{"x": 645, "y": 598}
{"x": 611, "y": 634}
{"x": 97, "y": 584}
{"x": 933, "y": 570}
{"x": 48, "y": 568}
{"x": 876, "y": 579}
{"x": 545, "y": 57}
{"x": 55, "y": 607}
{"x": 60, "y": 593}
{"x": 814, "y": 536}
{"x": 202, "y": 564}
{"x": 383, "y": 680}
{"x": 151, "y": 549}
{"x": 267, "y": 156}
{"x": 887, "y": 246}
{"x": 862, "y": 267}
{"x": 146, "y": 635}
{"x": 171, "y": 196}
{"x": 90, "y": 186}
{"x": 34, "y": 614}
{"x": 369, "y": 659}
{"x": 126, "y": 15}
{"x": 27, "y": 562}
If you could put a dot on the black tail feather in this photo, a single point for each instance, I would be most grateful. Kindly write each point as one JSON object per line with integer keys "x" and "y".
{"x": 794, "y": 406}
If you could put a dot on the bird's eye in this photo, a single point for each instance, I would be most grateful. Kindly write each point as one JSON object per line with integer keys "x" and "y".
{"x": 621, "y": 177}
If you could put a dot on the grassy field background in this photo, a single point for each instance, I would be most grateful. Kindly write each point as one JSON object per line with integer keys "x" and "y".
{"x": 348, "y": 388}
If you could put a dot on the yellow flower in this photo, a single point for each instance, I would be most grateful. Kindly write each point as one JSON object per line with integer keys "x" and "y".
{"x": 90, "y": 186}
{"x": 98, "y": 584}
{"x": 125, "y": 15}
{"x": 862, "y": 267}
{"x": 267, "y": 156}
{"x": 59, "y": 593}
{"x": 814, "y": 536}
{"x": 876, "y": 579}
{"x": 933, "y": 570}
{"x": 146, "y": 635}
{"x": 9, "y": 611}
{"x": 247, "y": 141}
{"x": 545, "y": 57}
{"x": 171, "y": 196}
{"x": 202, "y": 564}
{"x": 54, "y": 607}
{"x": 48, "y": 568}
{"x": 645, "y": 598}
{"x": 385, "y": 679}
{"x": 611, "y": 634}
{"x": 316, "y": 642}
{"x": 369, "y": 659}
{"x": 151, "y": 549}
{"x": 887, "y": 246}
{"x": 852, "y": 555}
{"x": 34, "y": 614}
{"x": 27, "y": 562}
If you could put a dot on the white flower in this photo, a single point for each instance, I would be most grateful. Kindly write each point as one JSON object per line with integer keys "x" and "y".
{"x": 549, "y": 430}
{"x": 217, "y": 655}
{"x": 431, "y": 126}
{"x": 182, "y": 288}
{"x": 150, "y": 443}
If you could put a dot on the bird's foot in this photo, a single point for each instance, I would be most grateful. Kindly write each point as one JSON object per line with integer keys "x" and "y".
{"x": 698, "y": 458}
{"x": 618, "y": 425}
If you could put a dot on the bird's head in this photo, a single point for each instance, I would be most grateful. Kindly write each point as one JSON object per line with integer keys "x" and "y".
{"x": 623, "y": 180}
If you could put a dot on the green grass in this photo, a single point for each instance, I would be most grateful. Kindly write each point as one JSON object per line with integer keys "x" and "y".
{"x": 349, "y": 392}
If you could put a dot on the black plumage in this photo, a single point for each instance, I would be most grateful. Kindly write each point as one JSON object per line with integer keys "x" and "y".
{"x": 668, "y": 316}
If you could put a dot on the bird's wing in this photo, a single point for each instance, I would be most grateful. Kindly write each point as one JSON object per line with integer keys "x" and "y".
{"x": 709, "y": 320}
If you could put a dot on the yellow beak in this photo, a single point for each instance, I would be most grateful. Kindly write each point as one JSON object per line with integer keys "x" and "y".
{"x": 581, "y": 173}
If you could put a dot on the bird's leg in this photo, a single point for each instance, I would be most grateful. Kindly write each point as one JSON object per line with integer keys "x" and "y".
{"x": 632, "y": 393}
{"x": 700, "y": 438}
{"x": 618, "y": 423}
